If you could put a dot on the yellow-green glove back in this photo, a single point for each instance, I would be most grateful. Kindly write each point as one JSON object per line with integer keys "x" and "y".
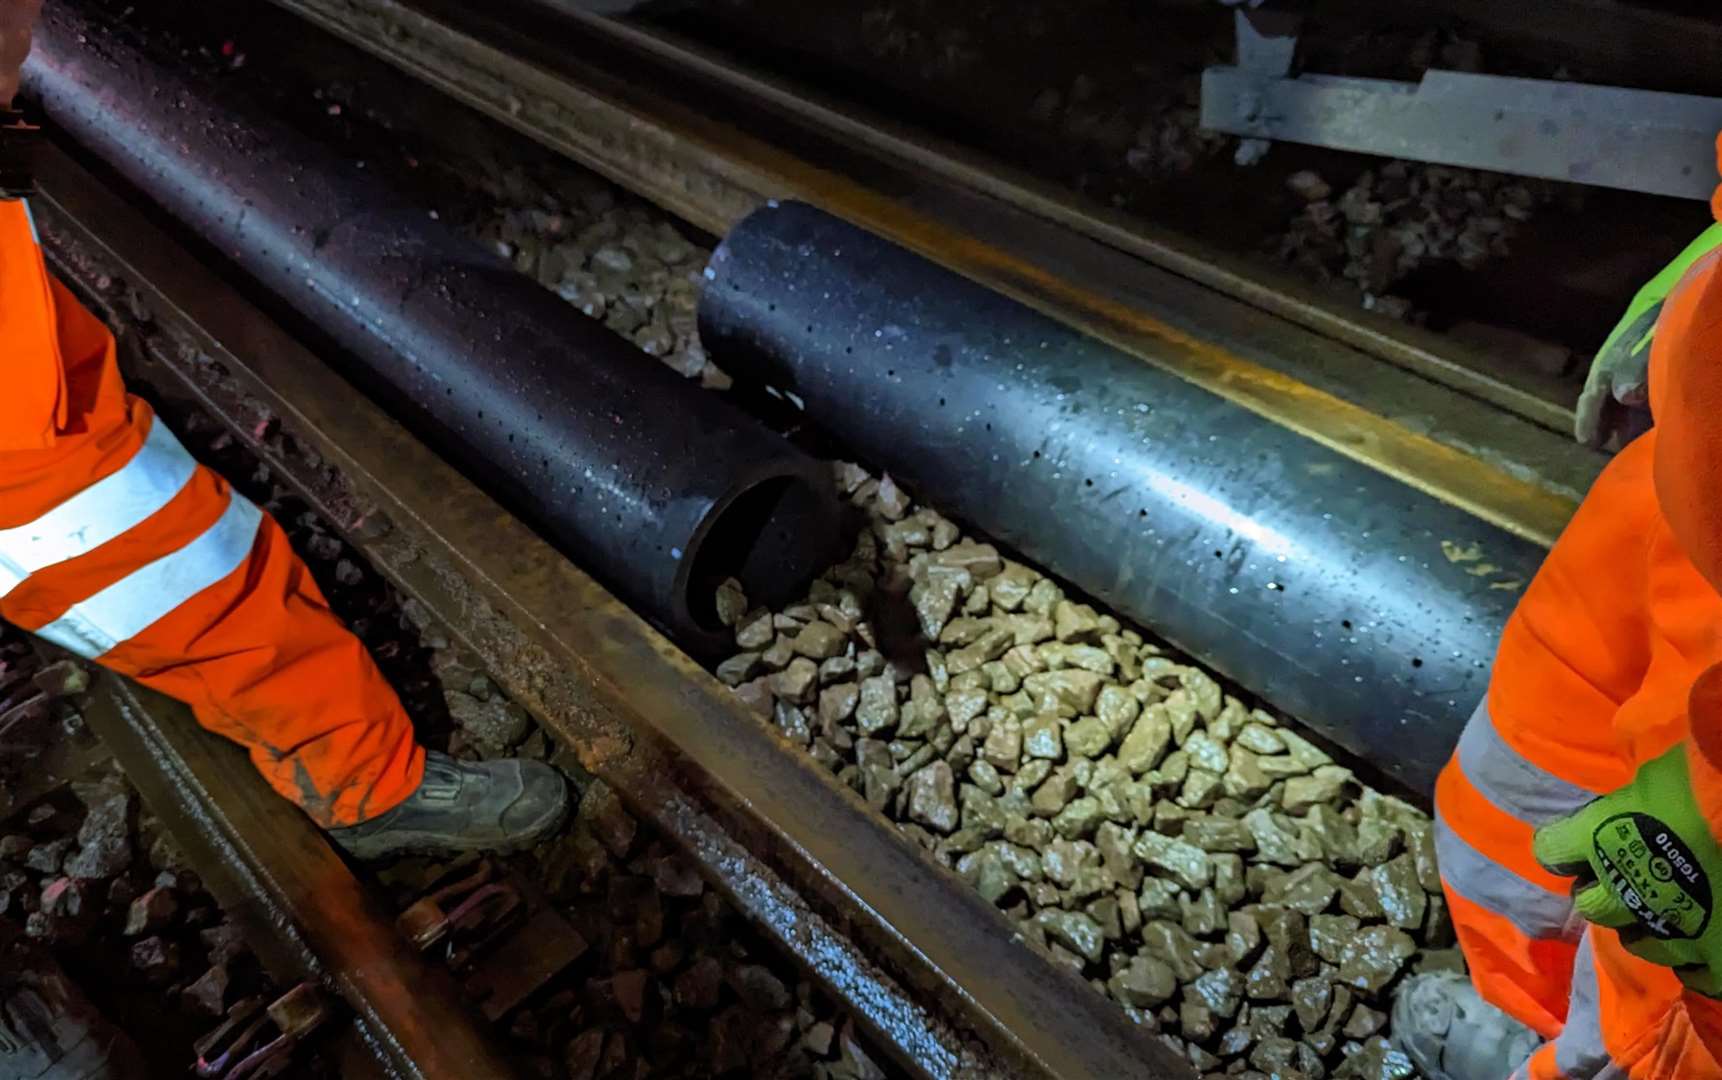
{"x": 1649, "y": 866}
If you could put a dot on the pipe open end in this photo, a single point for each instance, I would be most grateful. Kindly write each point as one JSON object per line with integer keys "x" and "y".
{"x": 773, "y": 535}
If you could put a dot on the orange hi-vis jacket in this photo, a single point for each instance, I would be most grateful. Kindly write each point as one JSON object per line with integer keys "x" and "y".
{"x": 1610, "y": 659}
{"x": 117, "y": 545}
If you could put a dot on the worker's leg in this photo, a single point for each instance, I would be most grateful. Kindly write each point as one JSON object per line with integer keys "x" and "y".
{"x": 117, "y": 545}
{"x": 1543, "y": 743}
{"x": 1629, "y": 1020}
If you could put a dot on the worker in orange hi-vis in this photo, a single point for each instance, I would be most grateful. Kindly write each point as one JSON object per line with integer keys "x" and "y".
{"x": 117, "y": 545}
{"x": 1577, "y": 824}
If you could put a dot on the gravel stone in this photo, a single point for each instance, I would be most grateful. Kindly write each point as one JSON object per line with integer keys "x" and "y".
{"x": 47, "y": 858}
{"x": 1376, "y": 1060}
{"x": 1187, "y": 863}
{"x": 837, "y": 703}
{"x": 1274, "y": 844}
{"x": 1374, "y": 957}
{"x": 739, "y": 668}
{"x": 1329, "y": 934}
{"x": 1078, "y": 819}
{"x": 877, "y": 711}
{"x": 1229, "y": 878}
{"x": 932, "y": 798}
{"x": 797, "y": 683}
{"x": 1377, "y": 841}
{"x": 1203, "y": 916}
{"x": 986, "y": 776}
{"x": 1054, "y": 793}
{"x": 1073, "y": 688}
{"x": 1043, "y": 737}
{"x": 1144, "y": 982}
{"x": 820, "y": 641}
{"x": 1258, "y": 738}
{"x": 495, "y": 723}
{"x": 987, "y": 872}
{"x": 1088, "y": 737}
{"x": 755, "y": 630}
{"x": 1326, "y": 785}
{"x": 1177, "y": 949}
{"x": 1145, "y": 745}
{"x": 1201, "y": 789}
{"x": 1401, "y": 896}
{"x": 1217, "y": 834}
{"x": 1206, "y": 751}
{"x": 731, "y": 601}
{"x": 1309, "y": 890}
{"x": 1221, "y": 991}
{"x": 1074, "y": 930}
{"x": 935, "y": 598}
{"x": 104, "y": 840}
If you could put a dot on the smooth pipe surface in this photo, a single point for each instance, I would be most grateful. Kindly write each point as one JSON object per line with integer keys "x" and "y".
{"x": 1342, "y": 596}
{"x": 657, "y": 487}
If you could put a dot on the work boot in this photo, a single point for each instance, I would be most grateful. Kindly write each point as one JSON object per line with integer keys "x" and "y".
{"x": 50, "y": 1031}
{"x": 1449, "y": 1032}
{"x": 461, "y": 807}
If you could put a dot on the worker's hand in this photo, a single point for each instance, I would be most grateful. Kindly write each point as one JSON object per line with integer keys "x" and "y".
{"x": 1647, "y": 865}
{"x": 1619, "y": 376}
{"x": 17, "y": 18}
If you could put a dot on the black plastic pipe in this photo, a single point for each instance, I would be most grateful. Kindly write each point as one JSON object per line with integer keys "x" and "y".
{"x": 1315, "y": 581}
{"x": 658, "y": 488}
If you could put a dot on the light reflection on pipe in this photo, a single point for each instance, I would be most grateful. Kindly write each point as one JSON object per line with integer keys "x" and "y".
{"x": 1271, "y": 540}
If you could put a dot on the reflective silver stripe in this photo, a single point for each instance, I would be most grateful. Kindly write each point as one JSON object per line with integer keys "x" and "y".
{"x": 1507, "y": 779}
{"x": 1536, "y": 911}
{"x": 130, "y": 605}
{"x": 1579, "y": 1050}
{"x": 117, "y": 502}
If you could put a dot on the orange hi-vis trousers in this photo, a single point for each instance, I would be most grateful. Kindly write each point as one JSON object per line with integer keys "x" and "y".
{"x": 115, "y": 544}
{"x": 1594, "y": 676}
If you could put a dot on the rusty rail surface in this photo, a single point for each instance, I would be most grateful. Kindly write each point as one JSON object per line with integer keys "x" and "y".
{"x": 709, "y": 144}
{"x": 933, "y": 973}
{"x": 301, "y": 908}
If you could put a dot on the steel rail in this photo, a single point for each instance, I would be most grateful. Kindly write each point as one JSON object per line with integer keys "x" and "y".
{"x": 1274, "y": 291}
{"x": 932, "y": 973}
{"x": 704, "y": 154}
{"x": 299, "y": 905}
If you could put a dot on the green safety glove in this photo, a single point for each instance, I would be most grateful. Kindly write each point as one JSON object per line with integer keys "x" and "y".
{"x": 1619, "y": 375}
{"x": 1646, "y": 861}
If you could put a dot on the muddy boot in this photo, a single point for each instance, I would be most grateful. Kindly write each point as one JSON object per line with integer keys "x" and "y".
{"x": 461, "y": 806}
{"x": 50, "y": 1031}
{"x": 1449, "y": 1032}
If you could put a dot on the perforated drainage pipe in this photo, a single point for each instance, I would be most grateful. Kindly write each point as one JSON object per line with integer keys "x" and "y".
{"x": 1314, "y": 580}
{"x": 655, "y": 486}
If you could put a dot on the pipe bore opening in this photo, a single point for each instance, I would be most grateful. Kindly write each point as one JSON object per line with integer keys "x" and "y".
{"x": 773, "y": 538}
